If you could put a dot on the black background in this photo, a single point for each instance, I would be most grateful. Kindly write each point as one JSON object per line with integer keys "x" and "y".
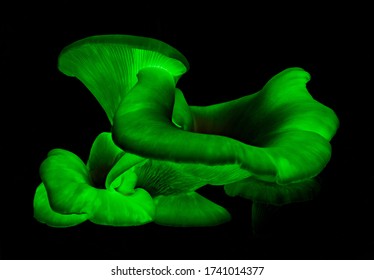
{"x": 233, "y": 51}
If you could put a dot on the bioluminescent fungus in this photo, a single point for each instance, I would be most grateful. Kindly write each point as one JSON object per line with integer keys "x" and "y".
{"x": 108, "y": 65}
{"x": 118, "y": 68}
{"x": 279, "y": 134}
{"x": 72, "y": 192}
{"x": 116, "y": 188}
{"x": 266, "y": 146}
{"x": 277, "y": 139}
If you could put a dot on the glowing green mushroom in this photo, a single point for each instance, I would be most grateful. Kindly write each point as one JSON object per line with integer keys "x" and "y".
{"x": 108, "y": 65}
{"x": 279, "y": 135}
{"x": 72, "y": 192}
{"x": 116, "y": 188}
{"x": 273, "y": 142}
{"x": 116, "y": 68}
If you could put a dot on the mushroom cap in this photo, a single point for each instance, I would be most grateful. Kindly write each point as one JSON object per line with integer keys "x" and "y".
{"x": 108, "y": 64}
{"x": 68, "y": 196}
{"x": 279, "y": 134}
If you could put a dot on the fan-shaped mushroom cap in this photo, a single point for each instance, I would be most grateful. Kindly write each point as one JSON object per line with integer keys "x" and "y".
{"x": 108, "y": 64}
{"x": 279, "y": 134}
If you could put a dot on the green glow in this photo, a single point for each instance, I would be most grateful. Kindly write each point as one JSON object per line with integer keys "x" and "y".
{"x": 44, "y": 214}
{"x": 188, "y": 209}
{"x": 267, "y": 146}
{"x": 181, "y": 115}
{"x": 279, "y": 134}
{"x": 108, "y": 64}
{"x": 73, "y": 197}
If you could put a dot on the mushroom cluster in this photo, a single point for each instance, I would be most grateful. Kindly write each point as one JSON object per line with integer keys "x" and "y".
{"x": 268, "y": 146}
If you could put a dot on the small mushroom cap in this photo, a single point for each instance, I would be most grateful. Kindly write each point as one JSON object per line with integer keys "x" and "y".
{"x": 108, "y": 64}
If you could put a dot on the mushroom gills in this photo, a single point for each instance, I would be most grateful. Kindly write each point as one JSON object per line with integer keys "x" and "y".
{"x": 176, "y": 202}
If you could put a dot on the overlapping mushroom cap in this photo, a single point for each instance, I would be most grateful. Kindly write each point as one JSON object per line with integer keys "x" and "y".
{"x": 119, "y": 189}
{"x": 279, "y": 134}
{"x": 275, "y": 140}
{"x": 72, "y": 192}
{"x": 134, "y": 79}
